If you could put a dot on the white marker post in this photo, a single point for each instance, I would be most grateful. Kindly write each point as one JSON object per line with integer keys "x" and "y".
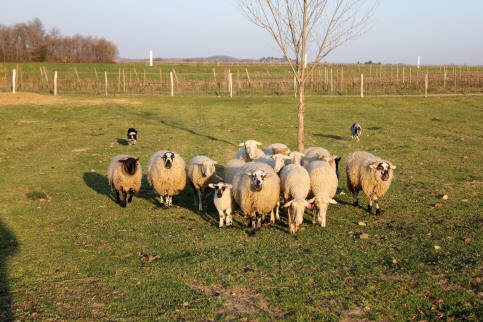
{"x": 105, "y": 82}
{"x": 150, "y": 58}
{"x": 362, "y": 85}
{"x": 14, "y": 74}
{"x": 172, "y": 85}
{"x": 419, "y": 61}
{"x": 230, "y": 83}
{"x": 305, "y": 61}
{"x": 55, "y": 83}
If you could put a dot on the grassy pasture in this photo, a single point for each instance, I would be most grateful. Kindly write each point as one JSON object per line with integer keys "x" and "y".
{"x": 248, "y": 79}
{"x": 70, "y": 252}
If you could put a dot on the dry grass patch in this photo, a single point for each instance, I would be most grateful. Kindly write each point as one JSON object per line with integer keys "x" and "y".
{"x": 26, "y": 98}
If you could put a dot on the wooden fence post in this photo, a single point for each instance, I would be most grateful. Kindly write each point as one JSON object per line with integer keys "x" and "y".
{"x": 14, "y": 75}
{"x": 105, "y": 82}
{"x": 248, "y": 76}
{"x": 362, "y": 85}
{"x": 172, "y": 85}
{"x": 426, "y": 85}
{"x": 230, "y": 84}
{"x": 55, "y": 83}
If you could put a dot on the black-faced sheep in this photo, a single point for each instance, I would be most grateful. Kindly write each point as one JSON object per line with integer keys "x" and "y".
{"x": 201, "y": 172}
{"x": 124, "y": 175}
{"x": 166, "y": 173}
{"x": 256, "y": 189}
{"x": 223, "y": 202}
{"x": 323, "y": 185}
{"x": 370, "y": 174}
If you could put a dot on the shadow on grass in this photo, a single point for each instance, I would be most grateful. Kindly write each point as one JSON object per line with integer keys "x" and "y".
{"x": 99, "y": 184}
{"x": 196, "y": 133}
{"x": 122, "y": 141}
{"x": 374, "y": 128}
{"x": 330, "y": 136}
{"x": 8, "y": 245}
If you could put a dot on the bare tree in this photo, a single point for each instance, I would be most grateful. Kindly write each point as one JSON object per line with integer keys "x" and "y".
{"x": 308, "y": 27}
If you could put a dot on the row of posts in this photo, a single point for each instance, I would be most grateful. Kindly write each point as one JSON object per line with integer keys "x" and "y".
{"x": 230, "y": 83}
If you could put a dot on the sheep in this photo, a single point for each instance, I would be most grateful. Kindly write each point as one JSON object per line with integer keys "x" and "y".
{"x": 256, "y": 189}
{"x": 276, "y": 161}
{"x": 276, "y": 148}
{"x": 222, "y": 199}
{"x": 316, "y": 153}
{"x": 166, "y": 173}
{"x": 201, "y": 172}
{"x": 296, "y": 157}
{"x": 295, "y": 185}
{"x": 124, "y": 175}
{"x": 231, "y": 169}
{"x": 356, "y": 131}
{"x": 249, "y": 152}
{"x": 323, "y": 185}
{"x": 370, "y": 174}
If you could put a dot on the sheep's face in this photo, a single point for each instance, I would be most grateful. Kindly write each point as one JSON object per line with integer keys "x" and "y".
{"x": 279, "y": 161}
{"x": 130, "y": 165}
{"x": 284, "y": 151}
{"x": 220, "y": 188}
{"x": 296, "y": 157}
{"x": 208, "y": 168}
{"x": 250, "y": 148}
{"x": 383, "y": 169}
{"x": 258, "y": 177}
{"x": 168, "y": 159}
{"x": 322, "y": 203}
{"x": 298, "y": 208}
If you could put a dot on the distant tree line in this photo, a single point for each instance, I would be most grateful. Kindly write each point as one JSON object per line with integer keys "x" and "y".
{"x": 29, "y": 42}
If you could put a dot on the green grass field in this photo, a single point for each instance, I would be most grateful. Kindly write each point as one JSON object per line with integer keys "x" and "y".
{"x": 70, "y": 252}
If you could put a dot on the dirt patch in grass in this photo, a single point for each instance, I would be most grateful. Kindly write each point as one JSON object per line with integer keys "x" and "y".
{"x": 25, "y": 98}
{"x": 239, "y": 300}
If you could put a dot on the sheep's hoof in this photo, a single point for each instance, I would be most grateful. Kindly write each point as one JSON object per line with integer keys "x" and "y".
{"x": 378, "y": 212}
{"x": 123, "y": 204}
{"x": 356, "y": 203}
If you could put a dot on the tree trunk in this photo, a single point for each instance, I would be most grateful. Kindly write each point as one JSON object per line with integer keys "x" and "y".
{"x": 301, "y": 116}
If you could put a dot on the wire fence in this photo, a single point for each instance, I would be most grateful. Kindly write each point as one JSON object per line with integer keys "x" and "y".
{"x": 239, "y": 81}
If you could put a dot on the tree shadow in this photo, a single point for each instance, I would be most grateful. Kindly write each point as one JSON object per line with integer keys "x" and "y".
{"x": 122, "y": 141}
{"x": 99, "y": 184}
{"x": 8, "y": 245}
{"x": 196, "y": 133}
{"x": 330, "y": 136}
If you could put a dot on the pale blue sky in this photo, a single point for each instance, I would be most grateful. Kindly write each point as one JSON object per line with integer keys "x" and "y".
{"x": 440, "y": 31}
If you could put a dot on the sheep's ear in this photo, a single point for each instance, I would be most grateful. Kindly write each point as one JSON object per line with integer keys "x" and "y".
{"x": 137, "y": 159}
{"x": 229, "y": 186}
{"x": 257, "y": 143}
{"x": 241, "y": 144}
{"x": 287, "y": 204}
{"x": 211, "y": 185}
{"x": 392, "y": 166}
{"x": 332, "y": 201}
{"x": 374, "y": 165}
{"x": 311, "y": 200}
{"x": 337, "y": 158}
{"x": 215, "y": 162}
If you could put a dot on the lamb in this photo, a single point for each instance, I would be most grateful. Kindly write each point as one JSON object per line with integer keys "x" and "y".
{"x": 231, "y": 169}
{"x": 295, "y": 185}
{"x": 370, "y": 174}
{"x": 323, "y": 185}
{"x": 124, "y": 174}
{"x": 316, "y": 153}
{"x": 201, "y": 172}
{"x": 222, "y": 199}
{"x": 256, "y": 189}
{"x": 249, "y": 152}
{"x": 276, "y": 148}
{"x": 166, "y": 173}
{"x": 356, "y": 131}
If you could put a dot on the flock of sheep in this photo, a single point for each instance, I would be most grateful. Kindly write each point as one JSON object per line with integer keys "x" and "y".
{"x": 256, "y": 181}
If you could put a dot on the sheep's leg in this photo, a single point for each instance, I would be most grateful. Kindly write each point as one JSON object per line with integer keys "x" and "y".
{"x": 290, "y": 224}
{"x": 170, "y": 203}
{"x": 124, "y": 196}
{"x": 378, "y": 211}
{"x": 277, "y": 214}
{"x": 118, "y": 200}
{"x": 194, "y": 194}
{"x": 228, "y": 218}
{"x": 131, "y": 194}
{"x": 272, "y": 217}
{"x": 369, "y": 207}
{"x": 356, "y": 198}
{"x": 323, "y": 219}
{"x": 221, "y": 213}
{"x": 259, "y": 222}
{"x": 200, "y": 202}
{"x": 253, "y": 218}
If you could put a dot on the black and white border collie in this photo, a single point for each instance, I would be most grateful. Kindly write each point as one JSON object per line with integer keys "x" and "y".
{"x": 356, "y": 131}
{"x": 132, "y": 136}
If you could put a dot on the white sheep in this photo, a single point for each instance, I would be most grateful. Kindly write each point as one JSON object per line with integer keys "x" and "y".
{"x": 295, "y": 186}
{"x": 370, "y": 174}
{"x": 124, "y": 174}
{"x": 276, "y": 148}
{"x": 222, "y": 198}
{"x": 316, "y": 153}
{"x": 256, "y": 189}
{"x": 201, "y": 172}
{"x": 166, "y": 173}
{"x": 249, "y": 151}
{"x": 276, "y": 161}
{"x": 231, "y": 169}
{"x": 295, "y": 157}
{"x": 323, "y": 185}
